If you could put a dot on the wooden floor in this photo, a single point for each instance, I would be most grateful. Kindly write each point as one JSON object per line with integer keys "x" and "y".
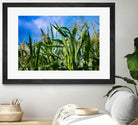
{"x": 28, "y": 122}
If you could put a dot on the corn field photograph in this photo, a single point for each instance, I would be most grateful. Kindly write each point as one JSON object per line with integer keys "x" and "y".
{"x": 58, "y": 43}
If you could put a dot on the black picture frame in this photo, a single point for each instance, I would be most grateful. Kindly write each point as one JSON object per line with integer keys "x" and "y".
{"x": 59, "y": 81}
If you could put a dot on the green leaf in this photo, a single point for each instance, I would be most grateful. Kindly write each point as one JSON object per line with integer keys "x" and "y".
{"x": 59, "y": 41}
{"x": 65, "y": 28}
{"x": 56, "y": 46}
{"x": 38, "y": 51}
{"x": 136, "y": 43}
{"x": 60, "y": 30}
{"x": 113, "y": 88}
{"x": 114, "y": 93}
{"x": 48, "y": 31}
{"x": 42, "y": 31}
{"x": 132, "y": 61}
{"x": 31, "y": 51}
{"x": 129, "y": 81}
{"x": 87, "y": 47}
{"x": 74, "y": 32}
{"x": 51, "y": 28}
{"x": 134, "y": 74}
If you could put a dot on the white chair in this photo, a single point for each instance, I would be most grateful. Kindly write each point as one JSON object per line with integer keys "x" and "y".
{"x": 121, "y": 109}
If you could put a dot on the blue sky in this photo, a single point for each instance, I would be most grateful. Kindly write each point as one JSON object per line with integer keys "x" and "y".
{"x": 32, "y": 24}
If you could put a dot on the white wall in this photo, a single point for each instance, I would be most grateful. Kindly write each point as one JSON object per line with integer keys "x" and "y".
{"x": 41, "y": 101}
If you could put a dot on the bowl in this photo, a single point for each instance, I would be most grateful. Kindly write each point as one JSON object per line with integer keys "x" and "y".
{"x": 86, "y": 111}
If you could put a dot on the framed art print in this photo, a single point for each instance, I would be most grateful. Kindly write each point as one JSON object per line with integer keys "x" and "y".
{"x": 64, "y": 43}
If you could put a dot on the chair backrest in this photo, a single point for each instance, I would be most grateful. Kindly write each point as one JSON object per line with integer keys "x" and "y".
{"x": 123, "y": 107}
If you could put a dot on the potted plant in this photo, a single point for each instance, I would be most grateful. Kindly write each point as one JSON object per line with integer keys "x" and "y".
{"x": 132, "y": 64}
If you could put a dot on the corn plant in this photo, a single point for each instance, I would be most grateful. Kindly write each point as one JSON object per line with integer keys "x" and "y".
{"x": 70, "y": 51}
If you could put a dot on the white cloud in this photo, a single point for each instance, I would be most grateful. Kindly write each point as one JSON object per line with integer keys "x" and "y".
{"x": 40, "y": 23}
{"x": 45, "y": 21}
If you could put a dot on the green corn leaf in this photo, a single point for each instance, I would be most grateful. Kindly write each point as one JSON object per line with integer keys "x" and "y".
{"x": 38, "y": 51}
{"x": 47, "y": 45}
{"x": 42, "y": 31}
{"x": 67, "y": 30}
{"x": 50, "y": 46}
{"x": 51, "y": 28}
{"x": 60, "y": 31}
{"x": 79, "y": 47}
{"x": 74, "y": 32}
{"x": 87, "y": 47}
{"x": 58, "y": 41}
{"x": 47, "y": 30}
{"x": 31, "y": 52}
